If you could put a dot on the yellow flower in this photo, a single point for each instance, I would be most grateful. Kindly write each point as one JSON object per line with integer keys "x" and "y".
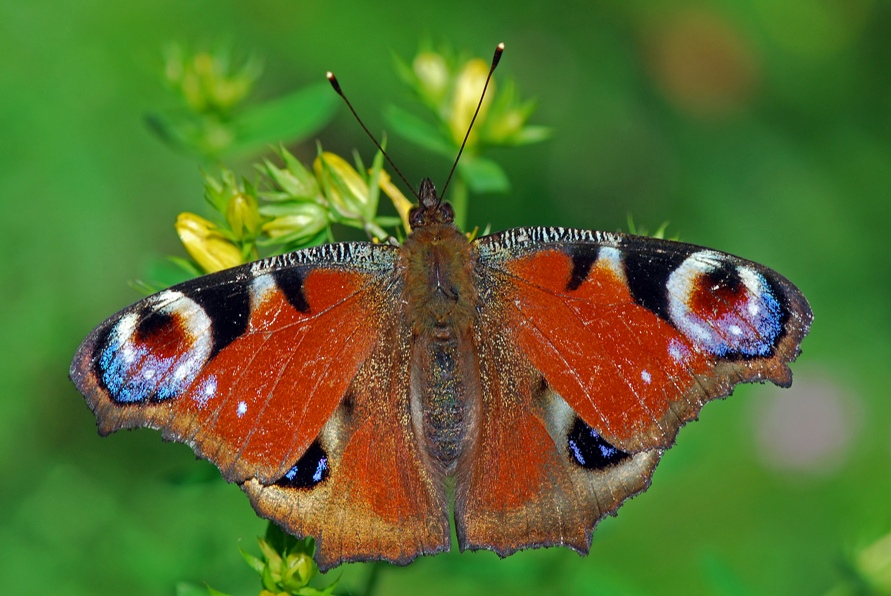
{"x": 243, "y": 215}
{"x": 403, "y": 205}
{"x": 204, "y": 243}
{"x": 468, "y": 88}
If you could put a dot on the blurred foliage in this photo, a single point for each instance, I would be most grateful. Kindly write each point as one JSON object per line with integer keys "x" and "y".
{"x": 762, "y": 129}
{"x": 451, "y": 90}
{"x": 211, "y": 121}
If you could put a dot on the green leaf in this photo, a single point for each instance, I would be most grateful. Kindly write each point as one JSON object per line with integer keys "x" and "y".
{"x": 483, "y": 175}
{"x": 286, "y": 119}
{"x": 374, "y": 189}
{"x": 531, "y": 134}
{"x": 252, "y": 561}
{"x": 203, "y": 135}
{"x": 418, "y": 131}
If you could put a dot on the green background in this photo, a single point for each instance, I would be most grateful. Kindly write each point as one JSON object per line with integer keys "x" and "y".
{"x": 759, "y": 128}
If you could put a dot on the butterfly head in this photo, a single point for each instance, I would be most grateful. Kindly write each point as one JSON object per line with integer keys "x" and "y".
{"x": 430, "y": 209}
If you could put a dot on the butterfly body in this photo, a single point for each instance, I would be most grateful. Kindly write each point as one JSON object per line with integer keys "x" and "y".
{"x": 441, "y": 305}
{"x": 544, "y": 369}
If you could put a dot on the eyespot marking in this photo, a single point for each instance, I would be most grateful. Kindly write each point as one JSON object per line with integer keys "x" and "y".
{"x": 153, "y": 354}
{"x": 588, "y": 449}
{"x": 311, "y": 469}
{"x": 725, "y": 309}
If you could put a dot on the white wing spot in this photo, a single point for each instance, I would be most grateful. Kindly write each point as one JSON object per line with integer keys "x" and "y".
{"x": 678, "y": 352}
{"x": 242, "y": 409}
{"x": 182, "y": 371}
{"x": 646, "y": 377}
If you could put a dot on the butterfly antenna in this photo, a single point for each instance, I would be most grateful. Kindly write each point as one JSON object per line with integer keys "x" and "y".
{"x": 499, "y": 49}
{"x": 334, "y": 83}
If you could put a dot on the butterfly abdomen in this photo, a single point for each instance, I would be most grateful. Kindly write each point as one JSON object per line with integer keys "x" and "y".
{"x": 441, "y": 304}
{"x": 444, "y": 395}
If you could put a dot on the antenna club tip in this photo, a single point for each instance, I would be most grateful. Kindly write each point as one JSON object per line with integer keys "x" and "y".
{"x": 333, "y": 80}
{"x": 497, "y": 57}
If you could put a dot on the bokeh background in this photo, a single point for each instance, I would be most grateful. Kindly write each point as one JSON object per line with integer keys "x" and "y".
{"x": 760, "y": 128}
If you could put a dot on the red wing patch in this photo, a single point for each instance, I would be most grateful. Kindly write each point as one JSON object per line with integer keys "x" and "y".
{"x": 527, "y": 479}
{"x": 616, "y": 363}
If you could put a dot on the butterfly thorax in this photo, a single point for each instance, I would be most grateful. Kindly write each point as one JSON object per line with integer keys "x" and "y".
{"x": 437, "y": 260}
{"x": 441, "y": 305}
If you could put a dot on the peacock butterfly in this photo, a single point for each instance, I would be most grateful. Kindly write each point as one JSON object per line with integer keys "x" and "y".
{"x": 543, "y": 370}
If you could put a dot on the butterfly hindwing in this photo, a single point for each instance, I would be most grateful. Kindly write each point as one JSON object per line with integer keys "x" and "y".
{"x": 383, "y": 499}
{"x": 535, "y": 474}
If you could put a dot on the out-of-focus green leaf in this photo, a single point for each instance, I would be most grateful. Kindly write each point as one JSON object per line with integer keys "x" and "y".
{"x": 204, "y": 135}
{"x": 418, "y": 131}
{"x": 483, "y": 175}
{"x": 294, "y": 116}
{"x": 531, "y": 134}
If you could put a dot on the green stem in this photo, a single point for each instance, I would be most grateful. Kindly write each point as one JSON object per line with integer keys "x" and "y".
{"x": 459, "y": 198}
{"x": 373, "y": 576}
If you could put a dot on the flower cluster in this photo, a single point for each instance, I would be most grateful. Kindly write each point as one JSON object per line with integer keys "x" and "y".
{"x": 294, "y": 208}
{"x": 449, "y": 88}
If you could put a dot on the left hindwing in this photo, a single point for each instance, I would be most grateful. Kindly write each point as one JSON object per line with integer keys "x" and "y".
{"x": 594, "y": 349}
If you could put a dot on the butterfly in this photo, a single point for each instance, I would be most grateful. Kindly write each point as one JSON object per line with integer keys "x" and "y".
{"x": 532, "y": 378}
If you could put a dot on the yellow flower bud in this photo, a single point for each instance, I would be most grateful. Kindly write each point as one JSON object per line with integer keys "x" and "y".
{"x": 243, "y": 215}
{"x": 347, "y": 190}
{"x": 296, "y": 222}
{"x": 403, "y": 205}
{"x": 433, "y": 75}
{"x": 205, "y": 244}
{"x": 468, "y": 89}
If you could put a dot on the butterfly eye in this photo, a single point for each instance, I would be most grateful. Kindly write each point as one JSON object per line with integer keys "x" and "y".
{"x": 589, "y": 450}
{"x": 415, "y": 217}
{"x": 447, "y": 214}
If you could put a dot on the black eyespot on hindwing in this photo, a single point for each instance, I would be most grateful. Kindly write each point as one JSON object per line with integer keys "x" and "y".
{"x": 588, "y": 449}
{"x": 310, "y": 470}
